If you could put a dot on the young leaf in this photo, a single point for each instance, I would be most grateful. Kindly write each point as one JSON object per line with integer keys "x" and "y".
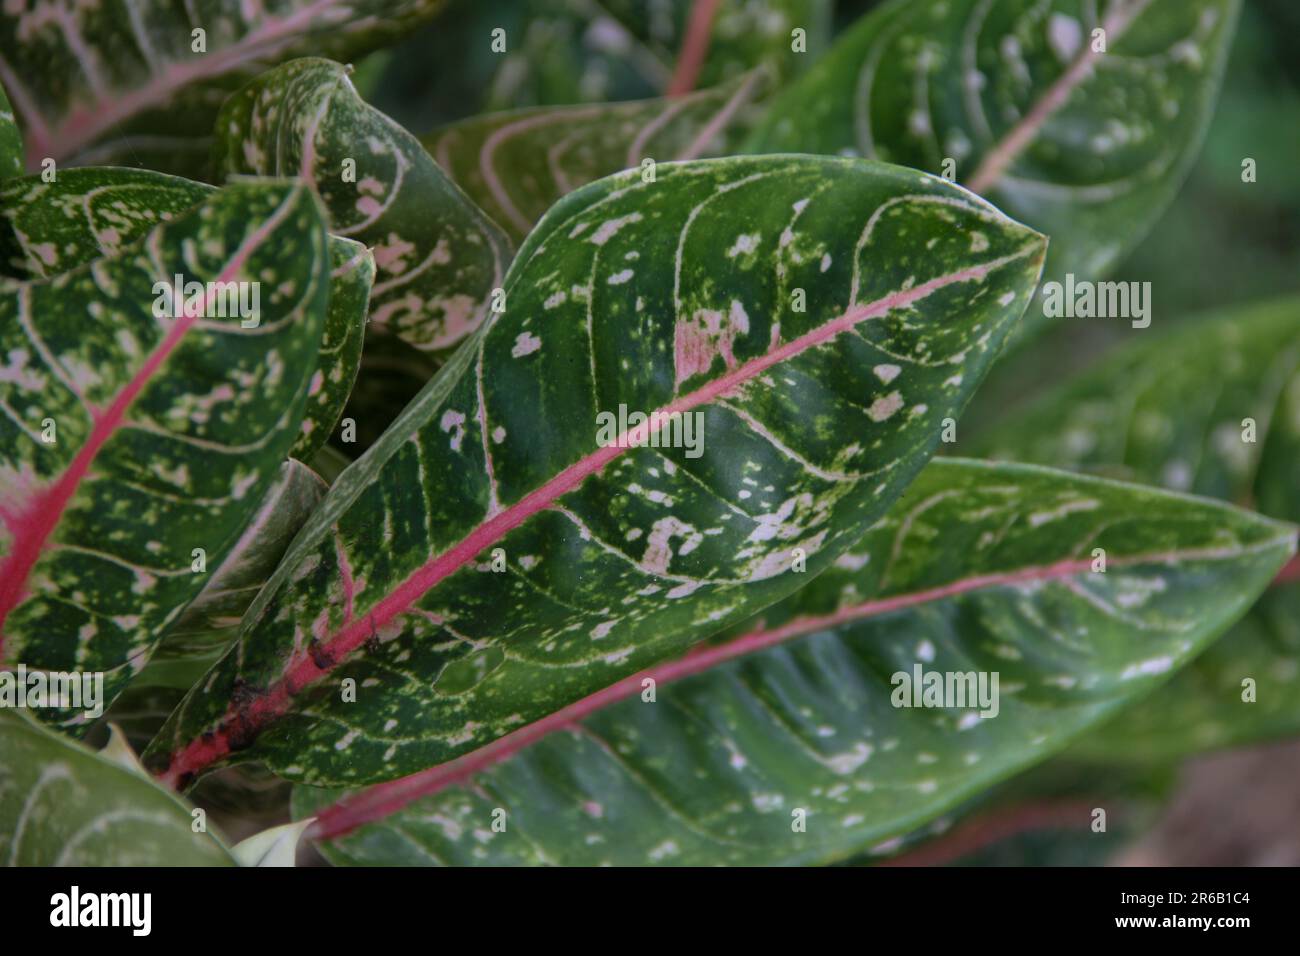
{"x": 137, "y": 79}
{"x": 504, "y": 550}
{"x": 134, "y": 445}
{"x": 1237, "y": 440}
{"x": 1019, "y": 102}
{"x": 516, "y": 165}
{"x": 11, "y": 141}
{"x": 801, "y": 740}
{"x": 277, "y": 846}
{"x": 87, "y": 214}
{"x": 438, "y": 256}
{"x": 211, "y": 622}
{"x": 65, "y": 805}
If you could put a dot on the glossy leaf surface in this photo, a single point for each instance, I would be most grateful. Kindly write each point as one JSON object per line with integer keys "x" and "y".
{"x": 812, "y": 320}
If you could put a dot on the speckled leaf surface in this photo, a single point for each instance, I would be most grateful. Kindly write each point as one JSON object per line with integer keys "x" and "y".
{"x": 166, "y": 431}
{"x": 11, "y": 141}
{"x": 672, "y": 296}
{"x": 516, "y": 165}
{"x": 438, "y": 256}
{"x": 127, "y": 79}
{"x": 1086, "y": 147}
{"x": 211, "y": 622}
{"x": 977, "y": 568}
{"x": 1176, "y": 419}
{"x": 90, "y": 213}
{"x": 64, "y": 805}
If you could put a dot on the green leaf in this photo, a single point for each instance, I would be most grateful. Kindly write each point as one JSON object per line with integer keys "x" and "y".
{"x": 1203, "y": 708}
{"x": 140, "y": 81}
{"x": 679, "y": 295}
{"x": 979, "y": 569}
{"x": 211, "y": 622}
{"x": 561, "y": 53}
{"x": 129, "y": 439}
{"x": 87, "y": 214}
{"x": 1087, "y": 147}
{"x": 517, "y": 165}
{"x": 1178, "y": 418}
{"x": 64, "y": 805}
{"x": 11, "y": 141}
{"x": 438, "y": 256}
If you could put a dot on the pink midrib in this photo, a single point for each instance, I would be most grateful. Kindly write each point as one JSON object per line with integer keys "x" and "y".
{"x": 383, "y": 799}
{"x": 695, "y": 47}
{"x": 84, "y": 124}
{"x": 303, "y": 671}
{"x": 32, "y": 527}
{"x": 995, "y": 163}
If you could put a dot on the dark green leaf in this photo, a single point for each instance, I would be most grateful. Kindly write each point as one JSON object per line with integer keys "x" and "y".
{"x": 211, "y": 622}
{"x": 141, "y": 80}
{"x": 516, "y": 165}
{"x": 1087, "y": 147}
{"x": 11, "y": 141}
{"x": 86, "y": 214}
{"x": 1172, "y": 410}
{"x": 438, "y": 256}
{"x": 979, "y": 569}
{"x": 128, "y": 439}
{"x": 816, "y": 318}
{"x": 560, "y": 53}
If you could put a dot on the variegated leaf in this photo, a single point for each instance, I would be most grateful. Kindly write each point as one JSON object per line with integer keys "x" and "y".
{"x": 11, "y": 141}
{"x": 392, "y": 374}
{"x": 516, "y": 165}
{"x": 86, "y": 214}
{"x": 211, "y": 622}
{"x": 798, "y": 741}
{"x": 64, "y": 805}
{"x": 141, "y": 80}
{"x": 438, "y": 256}
{"x": 133, "y": 433}
{"x": 1086, "y": 146}
{"x": 1212, "y": 407}
{"x": 561, "y": 52}
{"x": 812, "y": 320}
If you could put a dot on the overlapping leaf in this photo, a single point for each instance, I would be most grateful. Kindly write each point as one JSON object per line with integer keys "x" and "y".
{"x": 979, "y": 569}
{"x": 438, "y": 256}
{"x": 559, "y": 53}
{"x": 64, "y": 805}
{"x": 1088, "y": 147}
{"x": 130, "y": 437}
{"x": 11, "y": 141}
{"x": 86, "y": 214}
{"x": 817, "y": 318}
{"x": 140, "y": 81}
{"x": 516, "y": 165}
{"x": 1178, "y": 418}
{"x": 211, "y": 622}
